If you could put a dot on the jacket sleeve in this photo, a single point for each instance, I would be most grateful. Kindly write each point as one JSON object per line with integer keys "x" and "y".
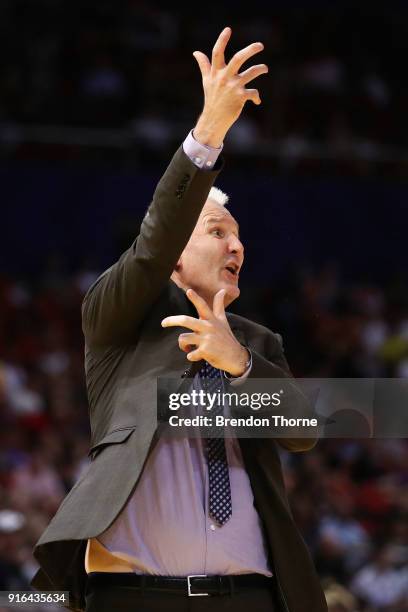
{"x": 117, "y": 302}
{"x": 274, "y": 365}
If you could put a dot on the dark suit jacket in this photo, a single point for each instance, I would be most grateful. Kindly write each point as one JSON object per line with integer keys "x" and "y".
{"x": 126, "y": 350}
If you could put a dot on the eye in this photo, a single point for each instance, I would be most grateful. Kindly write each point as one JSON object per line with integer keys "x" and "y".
{"x": 217, "y": 232}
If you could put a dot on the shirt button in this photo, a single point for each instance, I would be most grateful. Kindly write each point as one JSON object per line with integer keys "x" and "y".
{"x": 209, "y": 163}
{"x": 212, "y": 527}
{"x": 197, "y": 160}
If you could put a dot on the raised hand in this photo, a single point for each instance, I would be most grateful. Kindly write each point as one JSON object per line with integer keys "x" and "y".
{"x": 212, "y": 338}
{"x": 225, "y": 93}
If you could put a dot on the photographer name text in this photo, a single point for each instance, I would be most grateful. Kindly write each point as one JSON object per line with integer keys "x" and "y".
{"x": 275, "y": 420}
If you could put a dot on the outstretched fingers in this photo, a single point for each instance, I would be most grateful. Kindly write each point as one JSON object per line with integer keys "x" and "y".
{"x": 242, "y": 56}
{"x": 251, "y": 73}
{"x": 203, "y": 63}
{"x": 218, "y": 304}
{"x": 203, "y": 310}
{"x": 253, "y": 95}
{"x": 218, "y": 57}
{"x": 196, "y": 325}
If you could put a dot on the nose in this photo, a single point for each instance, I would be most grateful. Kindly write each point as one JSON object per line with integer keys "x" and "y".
{"x": 235, "y": 245}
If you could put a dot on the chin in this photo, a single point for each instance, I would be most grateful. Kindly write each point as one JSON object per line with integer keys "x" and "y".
{"x": 232, "y": 294}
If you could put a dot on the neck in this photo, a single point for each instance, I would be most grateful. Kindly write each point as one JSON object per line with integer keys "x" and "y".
{"x": 179, "y": 282}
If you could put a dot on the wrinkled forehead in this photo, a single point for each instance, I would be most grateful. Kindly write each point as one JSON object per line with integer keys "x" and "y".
{"x": 213, "y": 212}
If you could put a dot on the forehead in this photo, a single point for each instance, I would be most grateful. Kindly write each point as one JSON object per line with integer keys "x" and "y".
{"x": 213, "y": 212}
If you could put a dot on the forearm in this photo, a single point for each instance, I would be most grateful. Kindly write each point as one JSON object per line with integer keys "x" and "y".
{"x": 209, "y": 131}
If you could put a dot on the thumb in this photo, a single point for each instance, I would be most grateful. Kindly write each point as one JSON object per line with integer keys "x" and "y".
{"x": 203, "y": 62}
{"x": 218, "y": 304}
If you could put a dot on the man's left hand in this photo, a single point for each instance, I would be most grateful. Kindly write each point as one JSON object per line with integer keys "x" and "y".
{"x": 212, "y": 338}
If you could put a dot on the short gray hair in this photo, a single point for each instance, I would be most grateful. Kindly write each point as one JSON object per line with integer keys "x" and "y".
{"x": 218, "y": 196}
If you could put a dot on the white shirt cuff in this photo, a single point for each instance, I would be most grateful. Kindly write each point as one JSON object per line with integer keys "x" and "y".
{"x": 235, "y": 381}
{"x": 202, "y": 156}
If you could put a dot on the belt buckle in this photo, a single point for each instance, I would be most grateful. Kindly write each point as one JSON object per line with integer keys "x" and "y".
{"x": 189, "y": 585}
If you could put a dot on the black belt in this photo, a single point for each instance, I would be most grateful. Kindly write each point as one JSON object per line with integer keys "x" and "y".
{"x": 194, "y": 585}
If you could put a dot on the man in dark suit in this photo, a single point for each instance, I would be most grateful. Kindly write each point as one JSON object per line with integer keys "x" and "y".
{"x": 179, "y": 524}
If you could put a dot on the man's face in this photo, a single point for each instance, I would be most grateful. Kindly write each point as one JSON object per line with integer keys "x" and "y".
{"x": 213, "y": 256}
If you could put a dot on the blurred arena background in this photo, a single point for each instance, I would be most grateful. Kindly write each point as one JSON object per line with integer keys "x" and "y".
{"x": 94, "y": 99}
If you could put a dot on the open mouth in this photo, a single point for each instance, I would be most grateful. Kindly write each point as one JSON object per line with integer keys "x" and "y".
{"x": 233, "y": 269}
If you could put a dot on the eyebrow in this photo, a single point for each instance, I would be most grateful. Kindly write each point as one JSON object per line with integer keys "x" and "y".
{"x": 221, "y": 220}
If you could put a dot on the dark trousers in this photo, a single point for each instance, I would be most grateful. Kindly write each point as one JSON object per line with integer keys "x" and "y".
{"x": 108, "y": 598}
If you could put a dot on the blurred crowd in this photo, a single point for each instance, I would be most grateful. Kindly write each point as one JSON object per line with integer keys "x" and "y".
{"x": 349, "y": 497}
{"x": 335, "y": 77}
